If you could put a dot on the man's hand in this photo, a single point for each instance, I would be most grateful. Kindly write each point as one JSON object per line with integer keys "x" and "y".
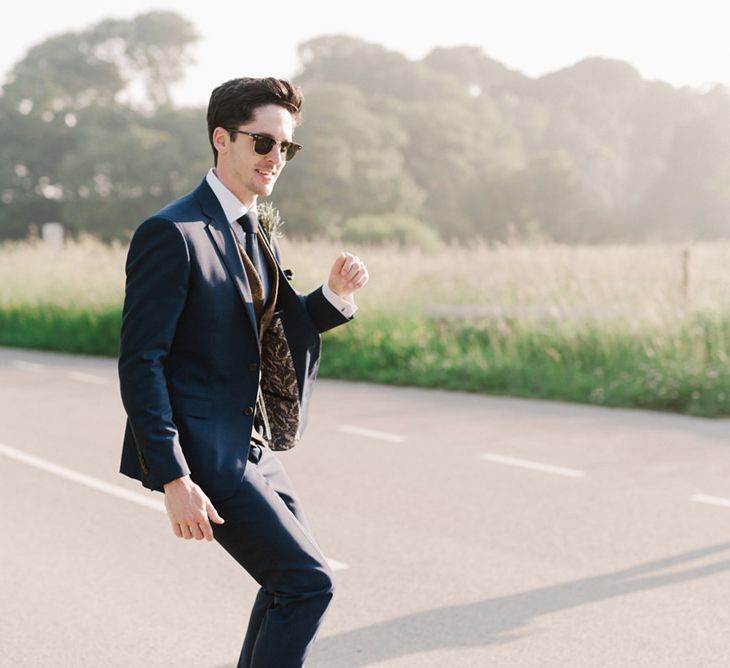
{"x": 189, "y": 509}
{"x": 348, "y": 275}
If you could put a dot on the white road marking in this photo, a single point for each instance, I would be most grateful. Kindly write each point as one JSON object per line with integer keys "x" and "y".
{"x": 81, "y": 478}
{"x": 27, "y": 366}
{"x": 371, "y": 433}
{"x": 87, "y": 378}
{"x": 713, "y": 500}
{"x": 535, "y": 466}
{"x": 101, "y": 486}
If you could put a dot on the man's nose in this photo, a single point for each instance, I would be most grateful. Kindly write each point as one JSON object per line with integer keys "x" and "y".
{"x": 276, "y": 155}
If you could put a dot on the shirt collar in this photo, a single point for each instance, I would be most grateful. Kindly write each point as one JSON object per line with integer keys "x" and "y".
{"x": 231, "y": 205}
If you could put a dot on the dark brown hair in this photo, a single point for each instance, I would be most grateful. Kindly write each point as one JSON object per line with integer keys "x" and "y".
{"x": 234, "y": 102}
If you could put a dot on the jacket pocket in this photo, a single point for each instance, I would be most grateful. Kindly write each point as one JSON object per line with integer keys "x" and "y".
{"x": 192, "y": 406}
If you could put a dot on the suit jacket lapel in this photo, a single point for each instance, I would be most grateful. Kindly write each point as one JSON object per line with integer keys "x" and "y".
{"x": 222, "y": 236}
{"x": 282, "y": 280}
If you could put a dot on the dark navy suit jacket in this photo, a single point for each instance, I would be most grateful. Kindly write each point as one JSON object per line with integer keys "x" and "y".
{"x": 189, "y": 355}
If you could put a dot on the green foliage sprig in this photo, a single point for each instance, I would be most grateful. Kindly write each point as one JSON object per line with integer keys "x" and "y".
{"x": 270, "y": 219}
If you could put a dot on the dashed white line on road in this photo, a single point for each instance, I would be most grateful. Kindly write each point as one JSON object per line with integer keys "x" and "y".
{"x": 371, "y": 433}
{"x": 27, "y": 366}
{"x": 712, "y": 500}
{"x": 81, "y": 478}
{"x": 101, "y": 486}
{"x": 535, "y": 466}
{"x": 87, "y": 378}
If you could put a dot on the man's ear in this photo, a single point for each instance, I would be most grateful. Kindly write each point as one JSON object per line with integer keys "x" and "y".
{"x": 221, "y": 139}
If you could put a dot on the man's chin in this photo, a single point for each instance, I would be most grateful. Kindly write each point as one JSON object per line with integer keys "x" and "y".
{"x": 265, "y": 191}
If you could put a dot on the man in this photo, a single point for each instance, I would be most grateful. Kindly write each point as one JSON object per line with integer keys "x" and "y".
{"x": 209, "y": 320}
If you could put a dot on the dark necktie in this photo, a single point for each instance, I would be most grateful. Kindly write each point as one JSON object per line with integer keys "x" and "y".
{"x": 250, "y": 224}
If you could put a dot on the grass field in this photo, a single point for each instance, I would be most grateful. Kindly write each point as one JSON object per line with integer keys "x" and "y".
{"x": 637, "y": 326}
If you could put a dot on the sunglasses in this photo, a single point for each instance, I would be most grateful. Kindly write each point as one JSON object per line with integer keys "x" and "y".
{"x": 263, "y": 144}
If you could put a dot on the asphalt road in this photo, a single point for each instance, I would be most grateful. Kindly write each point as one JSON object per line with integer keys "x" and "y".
{"x": 467, "y": 531}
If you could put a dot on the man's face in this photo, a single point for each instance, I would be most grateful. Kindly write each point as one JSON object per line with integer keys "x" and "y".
{"x": 246, "y": 173}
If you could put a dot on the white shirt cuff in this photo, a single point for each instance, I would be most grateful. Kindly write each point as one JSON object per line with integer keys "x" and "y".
{"x": 345, "y": 306}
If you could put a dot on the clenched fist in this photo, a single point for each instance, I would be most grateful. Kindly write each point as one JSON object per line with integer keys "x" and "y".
{"x": 348, "y": 275}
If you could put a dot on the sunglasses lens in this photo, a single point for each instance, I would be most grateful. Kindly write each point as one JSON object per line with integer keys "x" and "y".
{"x": 263, "y": 145}
{"x": 291, "y": 151}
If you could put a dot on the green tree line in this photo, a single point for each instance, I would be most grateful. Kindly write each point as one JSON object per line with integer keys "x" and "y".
{"x": 452, "y": 146}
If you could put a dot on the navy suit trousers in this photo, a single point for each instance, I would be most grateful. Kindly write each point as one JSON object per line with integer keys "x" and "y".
{"x": 266, "y": 532}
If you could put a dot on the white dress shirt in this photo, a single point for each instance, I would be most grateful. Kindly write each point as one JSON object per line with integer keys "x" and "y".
{"x": 234, "y": 209}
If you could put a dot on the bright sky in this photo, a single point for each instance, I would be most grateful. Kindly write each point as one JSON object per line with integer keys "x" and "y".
{"x": 683, "y": 43}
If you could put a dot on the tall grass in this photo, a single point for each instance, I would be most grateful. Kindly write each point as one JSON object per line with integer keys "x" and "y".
{"x": 68, "y": 300}
{"x": 612, "y": 325}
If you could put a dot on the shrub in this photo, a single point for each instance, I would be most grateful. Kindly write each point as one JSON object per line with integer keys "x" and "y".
{"x": 397, "y": 228}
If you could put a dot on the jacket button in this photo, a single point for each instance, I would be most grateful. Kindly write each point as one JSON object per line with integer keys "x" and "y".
{"x": 253, "y": 367}
{"x": 248, "y": 410}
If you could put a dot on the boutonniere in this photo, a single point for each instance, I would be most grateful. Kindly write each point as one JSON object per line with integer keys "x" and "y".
{"x": 270, "y": 219}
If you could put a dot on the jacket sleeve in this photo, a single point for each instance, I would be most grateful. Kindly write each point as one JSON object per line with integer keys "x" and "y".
{"x": 158, "y": 268}
{"x": 323, "y": 314}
